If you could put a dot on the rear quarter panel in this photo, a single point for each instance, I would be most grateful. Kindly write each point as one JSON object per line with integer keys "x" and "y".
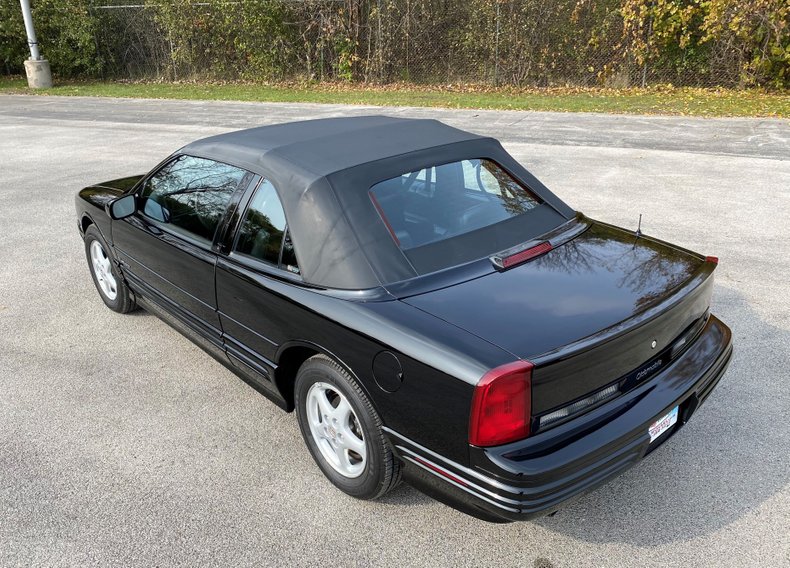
{"x": 440, "y": 363}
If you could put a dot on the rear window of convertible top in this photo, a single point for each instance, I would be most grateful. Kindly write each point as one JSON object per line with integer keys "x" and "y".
{"x": 438, "y": 215}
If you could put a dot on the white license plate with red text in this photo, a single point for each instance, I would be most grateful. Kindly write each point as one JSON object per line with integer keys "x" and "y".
{"x": 663, "y": 424}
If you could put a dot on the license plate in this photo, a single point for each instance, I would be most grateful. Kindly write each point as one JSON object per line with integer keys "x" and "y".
{"x": 663, "y": 424}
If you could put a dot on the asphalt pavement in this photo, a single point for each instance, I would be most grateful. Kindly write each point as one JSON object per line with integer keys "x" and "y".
{"x": 122, "y": 443}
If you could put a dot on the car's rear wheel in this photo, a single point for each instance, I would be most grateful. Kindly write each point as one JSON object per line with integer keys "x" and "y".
{"x": 108, "y": 280}
{"x": 343, "y": 431}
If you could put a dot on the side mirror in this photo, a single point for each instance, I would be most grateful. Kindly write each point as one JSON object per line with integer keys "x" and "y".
{"x": 122, "y": 207}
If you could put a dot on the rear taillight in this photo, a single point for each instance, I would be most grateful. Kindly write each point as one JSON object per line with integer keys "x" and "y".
{"x": 501, "y": 405}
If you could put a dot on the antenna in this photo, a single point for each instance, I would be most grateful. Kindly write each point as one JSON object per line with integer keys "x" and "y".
{"x": 639, "y": 227}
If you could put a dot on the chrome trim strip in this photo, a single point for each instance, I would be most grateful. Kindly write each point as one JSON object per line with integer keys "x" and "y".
{"x": 155, "y": 273}
{"x": 251, "y": 363}
{"x": 469, "y": 483}
{"x": 459, "y": 486}
{"x": 247, "y": 328}
{"x": 176, "y": 310}
{"x": 236, "y": 345}
{"x": 459, "y": 467}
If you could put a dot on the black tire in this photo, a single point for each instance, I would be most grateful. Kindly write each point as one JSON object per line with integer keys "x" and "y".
{"x": 123, "y": 302}
{"x": 381, "y": 471}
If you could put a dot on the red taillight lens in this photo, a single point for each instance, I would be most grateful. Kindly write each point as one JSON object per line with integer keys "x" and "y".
{"x": 526, "y": 255}
{"x": 713, "y": 259}
{"x": 501, "y": 405}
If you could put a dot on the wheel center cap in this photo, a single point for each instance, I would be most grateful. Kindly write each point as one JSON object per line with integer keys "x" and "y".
{"x": 332, "y": 432}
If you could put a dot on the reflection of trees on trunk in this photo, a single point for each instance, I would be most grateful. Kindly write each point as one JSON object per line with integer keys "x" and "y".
{"x": 659, "y": 270}
{"x": 648, "y": 269}
{"x": 572, "y": 257}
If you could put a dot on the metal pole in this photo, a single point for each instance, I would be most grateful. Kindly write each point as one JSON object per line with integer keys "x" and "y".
{"x": 35, "y": 55}
{"x": 37, "y": 69}
{"x": 496, "y": 49}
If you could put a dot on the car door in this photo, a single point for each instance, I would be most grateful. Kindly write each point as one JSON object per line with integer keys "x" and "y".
{"x": 166, "y": 247}
{"x": 253, "y": 277}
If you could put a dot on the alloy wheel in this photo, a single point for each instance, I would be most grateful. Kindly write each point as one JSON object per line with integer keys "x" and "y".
{"x": 336, "y": 430}
{"x": 102, "y": 270}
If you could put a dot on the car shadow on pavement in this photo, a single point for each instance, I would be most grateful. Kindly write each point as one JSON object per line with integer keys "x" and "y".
{"x": 724, "y": 464}
{"x": 139, "y": 312}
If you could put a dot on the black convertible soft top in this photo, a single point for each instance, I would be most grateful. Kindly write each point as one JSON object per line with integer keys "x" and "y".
{"x": 323, "y": 170}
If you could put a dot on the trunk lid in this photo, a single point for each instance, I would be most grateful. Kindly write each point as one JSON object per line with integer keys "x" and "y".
{"x": 587, "y": 313}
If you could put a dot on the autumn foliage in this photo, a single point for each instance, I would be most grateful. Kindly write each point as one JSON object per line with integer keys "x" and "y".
{"x": 522, "y": 43}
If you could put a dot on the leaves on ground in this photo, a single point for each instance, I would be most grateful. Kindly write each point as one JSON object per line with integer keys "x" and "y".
{"x": 662, "y": 99}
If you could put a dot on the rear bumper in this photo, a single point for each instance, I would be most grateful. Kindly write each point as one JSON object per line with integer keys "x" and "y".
{"x": 535, "y": 476}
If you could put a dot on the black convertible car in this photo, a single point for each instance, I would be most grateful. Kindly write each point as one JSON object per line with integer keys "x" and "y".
{"x": 428, "y": 307}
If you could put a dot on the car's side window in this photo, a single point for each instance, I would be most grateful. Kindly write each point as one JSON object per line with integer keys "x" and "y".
{"x": 288, "y": 261}
{"x": 263, "y": 234}
{"x": 191, "y": 194}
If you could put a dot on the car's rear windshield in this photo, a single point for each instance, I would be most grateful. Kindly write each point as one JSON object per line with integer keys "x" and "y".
{"x": 452, "y": 213}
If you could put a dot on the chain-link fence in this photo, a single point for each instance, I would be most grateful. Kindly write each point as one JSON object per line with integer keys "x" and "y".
{"x": 617, "y": 43}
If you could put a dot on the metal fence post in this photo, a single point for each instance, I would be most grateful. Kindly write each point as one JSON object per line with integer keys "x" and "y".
{"x": 496, "y": 48}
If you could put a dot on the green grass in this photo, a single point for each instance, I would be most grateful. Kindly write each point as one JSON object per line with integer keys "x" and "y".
{"x": 659, "y": 100}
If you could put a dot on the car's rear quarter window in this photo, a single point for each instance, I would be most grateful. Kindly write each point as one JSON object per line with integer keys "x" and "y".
{"x": 263, "y": 234}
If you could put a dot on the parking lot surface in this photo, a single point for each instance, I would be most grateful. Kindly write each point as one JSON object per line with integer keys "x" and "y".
{"x": 122, "y": 443}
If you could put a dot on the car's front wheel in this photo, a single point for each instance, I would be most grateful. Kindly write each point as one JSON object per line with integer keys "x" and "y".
{"x": 108, "y": 280}
{"x": 343, "y": 431}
